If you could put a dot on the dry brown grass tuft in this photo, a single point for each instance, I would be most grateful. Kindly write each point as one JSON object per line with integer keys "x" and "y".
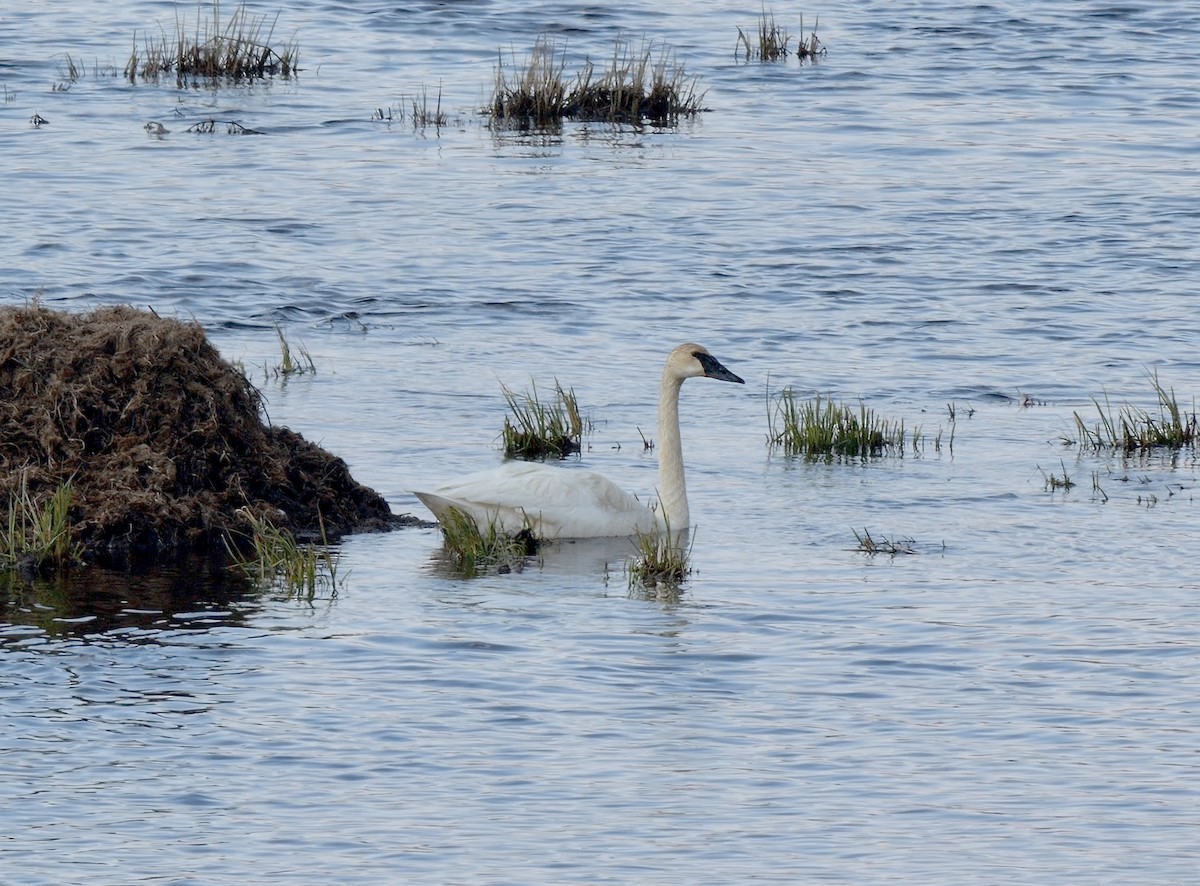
{"x": 771, "y": 42}
{"x": 642, "y": 84}
{"x": 239, "y": 49}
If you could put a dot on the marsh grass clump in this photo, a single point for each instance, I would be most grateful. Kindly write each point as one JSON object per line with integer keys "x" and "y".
{"x": 952, "y": 410}
{"x": 812, "y": 48}
{"x": 236, "y": 50}
{"x": 423, "y": 116}
{"x": 663, "y": 561}
{"x": 209, "y": 126}
{"x": 420, "y": 114}
{"x": 36, "y": 535}
{"x": 639, "y": 85}
{"x": 69, "y": 73}
{"x": 1131, "y": 430}
{"x": 300, "y": 363}
{"x": 470, "y": 550}
{"x": 770, "y": 42}
{"x": 1054, "y": 482}
{"x": 534, "y": 95}
{"x": 537, "y": 431}
{"x": 272, "y": 555}
{"x": 870, "y": 545}
{"x": 821, "y": 428}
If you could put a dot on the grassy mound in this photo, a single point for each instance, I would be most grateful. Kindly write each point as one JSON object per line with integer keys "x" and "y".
{"x": 160, "y": 439}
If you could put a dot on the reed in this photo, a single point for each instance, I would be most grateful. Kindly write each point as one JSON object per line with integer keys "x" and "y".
{"x": 37, "y": 534}
{"x": 209, "y": 126}
{"x": 238, "y": 49}
{"x": 272, "y": 555}
{"x": 770, "y": 42}
{"x": 1131, "y": 430}
{"x": 69, "y": 73}
{"x": 821, "y": 428}
{"x": 534, "y": 95}
{"x": 662, "y": 560}
{"x": 1054, "y": 482}
{"x": 470, "y": 550}
{"x": 868, "y": 544}
{"x": 299, "y": 364}
{"x": 419, "y": 113}
{"x": 812, "y": 48}
{"x": 952, "y": 410}
{"x": 643, "y": 84}
{"x": 538, "y": 431}
{"x": 637, "y": 85}
{"x": 423, "y": 116}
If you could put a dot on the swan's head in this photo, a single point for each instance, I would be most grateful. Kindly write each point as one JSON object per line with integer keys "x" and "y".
{"x": 694, "y": 361}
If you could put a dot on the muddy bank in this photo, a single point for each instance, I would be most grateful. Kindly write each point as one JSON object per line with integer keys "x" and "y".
{"x": 162, "y": 440}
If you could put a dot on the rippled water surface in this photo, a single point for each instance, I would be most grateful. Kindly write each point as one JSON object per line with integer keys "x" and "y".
{"x": 995, "y": 207}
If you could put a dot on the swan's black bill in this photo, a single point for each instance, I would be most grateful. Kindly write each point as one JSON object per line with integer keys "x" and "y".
{"x": 714, "y": 369}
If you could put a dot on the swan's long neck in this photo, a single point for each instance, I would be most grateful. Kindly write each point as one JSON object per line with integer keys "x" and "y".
{"x": 672, "y": 489}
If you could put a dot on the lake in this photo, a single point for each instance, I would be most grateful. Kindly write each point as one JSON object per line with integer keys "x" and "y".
{"x": 976, "y": 220}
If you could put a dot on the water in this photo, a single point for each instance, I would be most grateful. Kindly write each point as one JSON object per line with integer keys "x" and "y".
{"x": 992, "y": 206}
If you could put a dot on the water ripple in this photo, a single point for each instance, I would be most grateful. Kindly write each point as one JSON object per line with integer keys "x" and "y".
{"x": 988, "y": 206}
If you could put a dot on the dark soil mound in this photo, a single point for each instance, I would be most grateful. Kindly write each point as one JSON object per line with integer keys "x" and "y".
{"x": 161, "y": 439}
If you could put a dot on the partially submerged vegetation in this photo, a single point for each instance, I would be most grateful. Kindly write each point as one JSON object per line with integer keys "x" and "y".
{"x": 71, "y": 72}
{"x": 1054, "y": 482}
{"x": 239, "y": 49}
{"x": 159, "y": 442}
{"x": 771, "y": 42}
{"x": 1131, "y": 430}
{"x": 275, "y": 557}
{"x": 643, "y": 84}
{"x": 537, "y": 430}
{"x": 37, "y": 535}
{"x": 663, "y": 561}
{"x": 661, "y": 564}
{"x": 209, "y": 126}
{"x": 821, "y": 428}
{"x": 639, "y": 83}
{"x": 870, "y": 545}
{"x": 419, "y": 113}
{"x": 299, "y": 362}
{"x": 470, "y": 550}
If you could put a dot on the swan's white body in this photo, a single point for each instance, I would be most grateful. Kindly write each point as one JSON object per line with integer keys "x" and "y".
{"x": 556, "y": 502}
{"x": 552, "y": 502}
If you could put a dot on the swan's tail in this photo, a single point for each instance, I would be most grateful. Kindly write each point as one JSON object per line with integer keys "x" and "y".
{"x": 506, "y": 519}
{"x": 437, "y": 505}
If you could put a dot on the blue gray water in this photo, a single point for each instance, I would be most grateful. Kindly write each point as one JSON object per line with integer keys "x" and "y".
{"x": 995, "y": 207}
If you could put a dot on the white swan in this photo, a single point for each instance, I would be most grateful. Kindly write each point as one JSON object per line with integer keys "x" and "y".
{"x": 555, "y": 502}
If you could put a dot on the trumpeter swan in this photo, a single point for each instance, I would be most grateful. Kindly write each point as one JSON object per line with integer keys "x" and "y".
{"x": 555, "y": 502}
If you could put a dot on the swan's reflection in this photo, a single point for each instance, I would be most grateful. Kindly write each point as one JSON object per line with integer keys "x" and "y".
{"x": 612, "y": 559}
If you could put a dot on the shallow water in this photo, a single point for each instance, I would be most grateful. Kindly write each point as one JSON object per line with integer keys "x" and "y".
{"x": 994, "y": 207}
